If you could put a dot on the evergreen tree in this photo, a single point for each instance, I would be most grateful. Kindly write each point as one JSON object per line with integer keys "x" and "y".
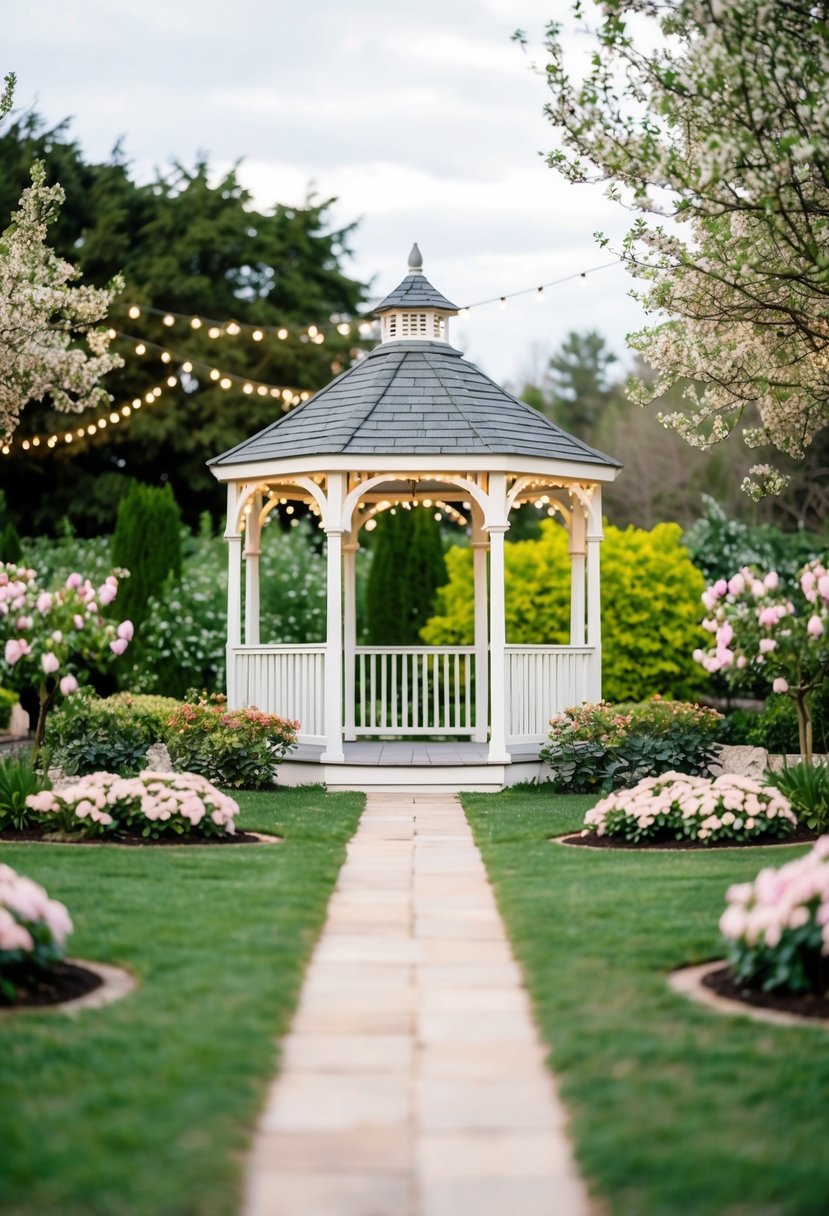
{"x": 407, "y": 568}
{"x": 147, "y": 542}
{"x": 196, "y": 246}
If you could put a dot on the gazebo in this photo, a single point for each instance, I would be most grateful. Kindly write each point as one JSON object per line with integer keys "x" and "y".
{"x": 413, "y": 425}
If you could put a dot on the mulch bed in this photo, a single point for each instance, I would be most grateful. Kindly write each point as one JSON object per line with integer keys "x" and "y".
{"x": 804, "y": 1006}
{"x": 801, "y": 835}
{"x": 32, "y": 834}
{"x": 63, "y": 982}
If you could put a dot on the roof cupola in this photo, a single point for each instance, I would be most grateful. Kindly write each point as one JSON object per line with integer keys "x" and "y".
{"x": 415, "y": 309}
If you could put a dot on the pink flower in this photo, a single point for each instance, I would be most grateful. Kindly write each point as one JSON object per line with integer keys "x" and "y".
{"x": 125, "y": 630}
{"x": 771, "y": 581}
{"x": 49, "y": 662}
{"x": 741, "y": 661}
{"x": 815, "y": 627}
{"x": 725, "y": 634}
{"x": 767, "y": 645}
{"x": 74, "y": 580}
{"x": 780, "y": 685}
{"x": 823, "y": 587}
{"x": 43, "y": 602}
{"x": 107, "y": 593}
{"x": 77, "y": 621}
{"x": 68, "y": 685}
{"x": 118, "y": 646}
{"x": 720, "y": 587}
{"x": 737, "y": 584}
{"x": 767, "y": 617}
{"x": 13, "y": 652}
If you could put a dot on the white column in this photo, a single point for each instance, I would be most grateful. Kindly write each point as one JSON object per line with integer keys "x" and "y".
{"x": 577, "y": 551}
{"x": 333, "y": 753}
{"x": 595, "y": 536}
{"x": 480, "y": 549}
{"x": 497, "y": 526}
{"x": 234, "y": 593}
{"x": 350, "y": 547}
{"x": 253, "y": 549}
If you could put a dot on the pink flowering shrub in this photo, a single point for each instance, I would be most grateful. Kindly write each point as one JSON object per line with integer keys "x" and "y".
{"x": 149, "y": 805}
{"x": 675, "y": 806}
{"x": 240, "y": 748}
{"x": 758, "y": 630}
{"x": 49, "y": 638}
{"x": 777, "y": 927}
{"x": 33, "y": 929}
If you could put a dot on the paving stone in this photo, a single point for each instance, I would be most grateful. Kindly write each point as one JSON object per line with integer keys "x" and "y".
{"x": 323, "y": 1194}
{"x": 348, "y": 1053}
{"x": 386, "y": 1150}
{"x": 310, "y": 1101}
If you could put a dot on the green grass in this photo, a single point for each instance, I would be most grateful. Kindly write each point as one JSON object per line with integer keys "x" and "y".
{"x": 674, "y": 1109}
{"x": 146, "y": 1108}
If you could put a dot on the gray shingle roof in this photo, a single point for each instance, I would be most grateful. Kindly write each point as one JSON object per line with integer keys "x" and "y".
{"x": 415, "y": 292}
{"x": 412, "y": 398}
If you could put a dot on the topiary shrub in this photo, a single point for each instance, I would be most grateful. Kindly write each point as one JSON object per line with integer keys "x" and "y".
{"x": 604, "y": 747}
{"x": 650, "y": 606}
{"x": 407, "y": 567}
{"x": 147, "y": 542}
{"x": 91, "y": 733}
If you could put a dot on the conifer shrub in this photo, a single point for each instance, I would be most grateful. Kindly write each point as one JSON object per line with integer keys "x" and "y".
{"x": 650, "y": 606}
{"x": 407, "y": 568}
{"x": 147, "y": 542}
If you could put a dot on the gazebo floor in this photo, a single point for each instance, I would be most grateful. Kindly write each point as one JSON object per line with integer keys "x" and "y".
{"x": 427, "y": 765}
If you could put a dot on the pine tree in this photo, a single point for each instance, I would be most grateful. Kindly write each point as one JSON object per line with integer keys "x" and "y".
{"x": 147, "y": 542}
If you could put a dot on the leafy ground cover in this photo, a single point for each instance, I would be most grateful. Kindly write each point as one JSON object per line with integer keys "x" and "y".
{"x": 146, "y": 1108}
{"x": 674, "y": 1109}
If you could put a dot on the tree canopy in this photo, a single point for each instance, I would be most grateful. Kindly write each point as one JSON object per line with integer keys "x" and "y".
{"x": 192, "y": 244}
{"x": 719, "y": 137}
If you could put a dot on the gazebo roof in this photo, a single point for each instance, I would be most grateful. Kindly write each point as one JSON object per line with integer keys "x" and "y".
{"x": 413, "y": 397}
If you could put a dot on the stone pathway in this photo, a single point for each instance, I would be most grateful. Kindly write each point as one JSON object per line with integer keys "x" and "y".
{"x": 413, "y": 1081}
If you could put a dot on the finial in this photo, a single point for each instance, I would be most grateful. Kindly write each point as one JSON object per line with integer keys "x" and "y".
{"x": 415, "y": 260}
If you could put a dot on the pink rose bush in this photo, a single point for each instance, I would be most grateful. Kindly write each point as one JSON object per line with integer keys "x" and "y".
{"x": 757, "y": 629}
{"x": 33, "y": 929}
{"x": 675, "y": 806}
{"x": 49, "y": 638}
{"x": 777, "y": 927}
{"x": 149, "y": 805}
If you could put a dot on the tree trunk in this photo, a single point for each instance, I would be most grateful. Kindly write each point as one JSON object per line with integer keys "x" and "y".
{"x": 45, "y": 702}
{"x": 804, "y": 727}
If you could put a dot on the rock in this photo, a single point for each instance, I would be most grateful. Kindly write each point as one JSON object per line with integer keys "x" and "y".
{"x": 18, "y": 722}
{"x": 158, "y": 758}
{"x": 743, "y": 761}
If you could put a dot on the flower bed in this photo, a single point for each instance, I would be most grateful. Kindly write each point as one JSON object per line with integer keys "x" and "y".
{"x": 675, "y": 806}
{"x": 241, "y": 748}
{"x": 33, "y": 930}
{"x": 777, "y": 927}
{"x": 149, "y": 806}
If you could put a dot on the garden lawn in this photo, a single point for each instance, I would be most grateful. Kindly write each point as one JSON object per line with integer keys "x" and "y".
{"x": 674, "y": 1109}
{"x": 146, "y": 1108}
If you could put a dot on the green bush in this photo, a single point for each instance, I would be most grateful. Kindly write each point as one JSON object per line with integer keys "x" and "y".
{"x": 147, "y": 542}
{"x": 807, "y": 788}
{"x": 606, "y": 747}
{"x": 241, "y": 748}
{"x": 650, "y": 607}
{"x": 18, "y": 779}
{"x": 407, "y": 567}
{"x": 90, "y": 734}
{"x": 719, "y": 546}
{"x": 7, "y": 700}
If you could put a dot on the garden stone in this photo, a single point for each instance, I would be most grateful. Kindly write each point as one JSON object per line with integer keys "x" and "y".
{"x": 743, "y": 761}
{"x": 158, "y": 758}
{"x": 18, "y": 722}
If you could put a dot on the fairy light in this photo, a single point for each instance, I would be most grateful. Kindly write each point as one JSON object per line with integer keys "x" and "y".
{"x": 134, "y": 312}
{"x": 195, "y": 322}
{"x": 257, "y": 335}
{"x": 168, "y": 319}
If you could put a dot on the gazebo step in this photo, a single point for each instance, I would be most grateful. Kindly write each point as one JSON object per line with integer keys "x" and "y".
{"x": 439, "y": 767}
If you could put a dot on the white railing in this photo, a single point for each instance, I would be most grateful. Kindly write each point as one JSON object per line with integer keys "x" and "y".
{"x": 284, "y": 680}
{"x": 413, "y": 690}
{"x": 541, "y": 680}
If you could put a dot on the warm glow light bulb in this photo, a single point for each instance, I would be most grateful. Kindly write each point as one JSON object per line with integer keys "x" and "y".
{"x": 225, "y": 382}
{"x": 169, "y": 319}
{"x": 257, "y": 335}
{"x": 135, "y": 312}
{"x": 214, "y": 332}
{"x": 282, "y": 334}
{"x": 195, "y": 322}
{"x": 140, "y": 349}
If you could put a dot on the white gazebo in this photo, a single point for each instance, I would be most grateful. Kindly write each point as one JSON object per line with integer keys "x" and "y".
{"x": 414, "y": 426}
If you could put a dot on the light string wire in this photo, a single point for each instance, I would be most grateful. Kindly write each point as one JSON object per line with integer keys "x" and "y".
{"x": 226, "y": 380}
{"x": 316, "y": 333}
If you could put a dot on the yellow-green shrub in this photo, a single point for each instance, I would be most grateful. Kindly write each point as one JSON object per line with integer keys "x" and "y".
{"x": 650, "y": 606}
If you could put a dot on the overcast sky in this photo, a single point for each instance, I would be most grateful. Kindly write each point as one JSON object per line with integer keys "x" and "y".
{"x": 424, "y": 119}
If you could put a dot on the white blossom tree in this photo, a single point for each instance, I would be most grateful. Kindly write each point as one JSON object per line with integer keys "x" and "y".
{"x": 45, "y": 319}
{"x": 719, "y": 138}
